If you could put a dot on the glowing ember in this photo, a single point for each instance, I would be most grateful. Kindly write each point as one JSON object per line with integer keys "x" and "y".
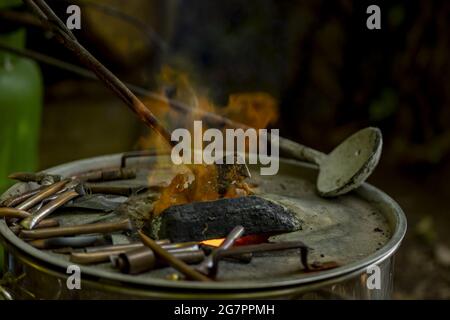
{"x": 255, "y": 109}
{"x": 213, "y": 242}
{"x": 246, "y": 240}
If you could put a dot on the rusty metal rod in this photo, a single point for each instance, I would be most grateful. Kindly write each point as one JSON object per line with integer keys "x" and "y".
{"x": 107, "y": 175}
{"x": 41, "y": 195}
{"x": 209, "y": 263}
{"x": 31, "y": 221}
{"x": 241, "y": 258}
{"x": 66, "y": 242}
{"x": 107, "y": 227}
{"x": 166, "y": 244}
{"x": 13, "y": 213}
{"x": 18, "y": 199}
{"x": 104, "y": 256}
{"x": 34, "y": 177}
{"x": 171, "y": 260}
{"x": 127, "y": 246}
{"x": 144, "y": 259}
{"x": 46, "y": 223}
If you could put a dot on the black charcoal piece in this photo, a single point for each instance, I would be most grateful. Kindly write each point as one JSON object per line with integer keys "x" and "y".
{"x": 214, "y": 219}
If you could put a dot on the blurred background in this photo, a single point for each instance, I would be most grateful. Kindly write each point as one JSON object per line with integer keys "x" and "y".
{"x": 315, "y": 60}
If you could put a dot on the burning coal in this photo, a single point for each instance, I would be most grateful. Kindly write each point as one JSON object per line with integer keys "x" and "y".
{"x": 212, "y": 156}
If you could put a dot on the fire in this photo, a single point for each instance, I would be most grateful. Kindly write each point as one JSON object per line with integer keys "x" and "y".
{"x": 255, "y": 109}
{"x": 183, "y": 190}
{"x": 213, "y": 242}
{"x": 204, "y": 182}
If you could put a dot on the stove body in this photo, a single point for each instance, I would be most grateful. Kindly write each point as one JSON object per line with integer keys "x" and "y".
{"x": 346, "y": 229}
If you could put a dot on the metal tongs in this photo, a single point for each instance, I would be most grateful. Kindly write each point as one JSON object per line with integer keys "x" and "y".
{"x": 209, "y": 265}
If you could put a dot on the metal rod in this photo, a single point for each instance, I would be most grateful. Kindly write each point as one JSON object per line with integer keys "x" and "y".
{"x": 127, "y": 246}
{"x": 115, "y": 190}
{"x": 107, "y": 175}
{"x": 64, "y": 242}
{"x": 107, "y": 227}
{"x": 144, "y": 259}
{"x": 13, "y": 213}
{"x": 34, "y": 177}
{"x": 171, "y": 260}
{"x": 16, "y": 200}
{"x": 208, "y": 265}
{"x": 104, "y": 256}
{"x": 46, "y": 223}
{"x": 163, "y": 243}
{"x": 265, "y": 247}
{"x": 31, "y": 221}
{"x": 41, "y": 195}
{"x": 241, "y": 258}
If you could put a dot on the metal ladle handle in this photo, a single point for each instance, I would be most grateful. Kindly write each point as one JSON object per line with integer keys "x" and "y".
{"x": 300, "y": 152}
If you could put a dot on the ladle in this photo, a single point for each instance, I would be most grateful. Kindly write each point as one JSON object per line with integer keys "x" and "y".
{"x": 347, "y": 166}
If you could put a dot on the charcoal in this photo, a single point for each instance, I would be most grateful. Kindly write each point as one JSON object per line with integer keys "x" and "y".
{"x": 215, "y": 219}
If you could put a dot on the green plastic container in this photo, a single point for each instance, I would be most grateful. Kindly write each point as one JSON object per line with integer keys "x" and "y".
{"x": 20, "y": 110}
{"x": 20, "y": 107}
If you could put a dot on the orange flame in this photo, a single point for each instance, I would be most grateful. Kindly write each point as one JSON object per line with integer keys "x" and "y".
{"x": 253, "y": 109}
{"x": 213, "y": 242}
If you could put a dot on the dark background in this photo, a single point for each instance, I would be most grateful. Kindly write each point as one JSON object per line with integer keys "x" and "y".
{"x": 329, "y": 73}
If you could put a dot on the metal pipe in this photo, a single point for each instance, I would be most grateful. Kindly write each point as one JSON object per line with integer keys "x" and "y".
{"x": 16, "y": 200}
{"x": 46, "y": 223}
{"x": 41, "y": 178}
{"x": 104, "y": 256}
{"x": 107, "y": 227}
{"x": 129, "y": 246}
{"x": 65, "y": 242}
{"x": 41, "y": 195}
{"x": 144, "y": 259}
{"x": 13, "y": 213}
{"x": 116, "y": 190}
{"x": 31, "y": 221}
{"x": 172, "y": 260}
{"x": 108, "y": 175}
{"x": 241, "y": 258}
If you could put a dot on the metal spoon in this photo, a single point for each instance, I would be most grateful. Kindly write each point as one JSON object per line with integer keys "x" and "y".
{"x": 347, "y": 166}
